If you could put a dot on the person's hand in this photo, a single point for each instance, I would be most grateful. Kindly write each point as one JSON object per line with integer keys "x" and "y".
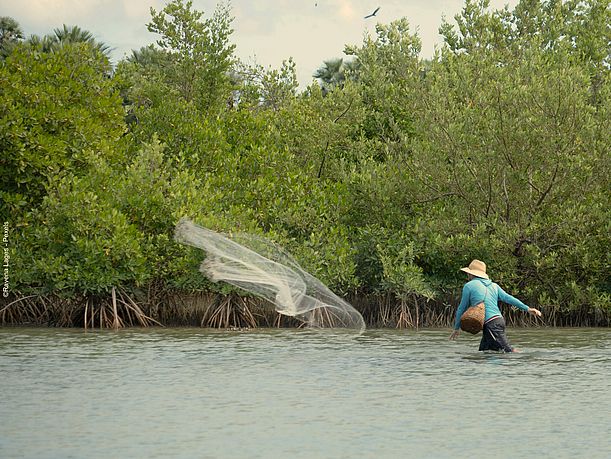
{"x": 534, "y": 312}
{"x": 454, "y": 334}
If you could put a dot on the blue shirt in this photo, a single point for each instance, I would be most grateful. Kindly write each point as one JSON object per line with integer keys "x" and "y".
{"x": 474, "y": 292}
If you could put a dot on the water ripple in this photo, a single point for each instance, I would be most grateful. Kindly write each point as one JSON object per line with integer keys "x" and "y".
{"x": 300, "y": 393}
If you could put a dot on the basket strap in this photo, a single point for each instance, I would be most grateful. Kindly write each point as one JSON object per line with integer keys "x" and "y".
{"x": 484, "y": 300}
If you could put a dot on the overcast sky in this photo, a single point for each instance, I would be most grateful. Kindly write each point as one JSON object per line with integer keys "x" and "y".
{"x": 265, "y": 31}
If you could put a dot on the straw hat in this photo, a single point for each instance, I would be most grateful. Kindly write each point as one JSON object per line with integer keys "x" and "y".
{"x": 476, "y": 268}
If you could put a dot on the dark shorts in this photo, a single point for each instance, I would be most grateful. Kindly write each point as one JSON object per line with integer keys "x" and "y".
{"x": 494, "y": 338}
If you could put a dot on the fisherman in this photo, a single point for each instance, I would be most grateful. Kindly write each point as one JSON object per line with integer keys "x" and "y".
{"x": 478, "y": 289}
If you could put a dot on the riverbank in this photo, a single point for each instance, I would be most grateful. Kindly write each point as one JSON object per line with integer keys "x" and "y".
{"x": 122, "y": 309}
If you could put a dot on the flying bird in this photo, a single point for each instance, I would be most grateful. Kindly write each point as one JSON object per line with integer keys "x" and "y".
{"x": 373, "y": 14}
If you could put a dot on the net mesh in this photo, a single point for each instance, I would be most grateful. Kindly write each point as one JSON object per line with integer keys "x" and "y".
{"x": 262, "y": 268}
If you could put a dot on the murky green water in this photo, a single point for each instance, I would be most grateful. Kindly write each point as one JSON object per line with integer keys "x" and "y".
{"x": 192, "y": 393}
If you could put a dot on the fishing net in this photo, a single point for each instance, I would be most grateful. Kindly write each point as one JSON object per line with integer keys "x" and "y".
{"x": 260, "y": 267}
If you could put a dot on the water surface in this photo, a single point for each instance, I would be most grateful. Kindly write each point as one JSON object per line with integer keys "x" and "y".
{"x": 195, "y": 393}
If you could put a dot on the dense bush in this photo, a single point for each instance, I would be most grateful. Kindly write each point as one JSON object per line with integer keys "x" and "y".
{"x": 497, "y": 149}
{"x": 55, "y": 108}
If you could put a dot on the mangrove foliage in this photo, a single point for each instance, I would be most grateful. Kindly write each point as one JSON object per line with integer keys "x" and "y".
{"x": 383, "y": 177}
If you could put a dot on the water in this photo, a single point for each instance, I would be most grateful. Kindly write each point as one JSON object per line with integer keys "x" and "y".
{"x": 194, "y": 393}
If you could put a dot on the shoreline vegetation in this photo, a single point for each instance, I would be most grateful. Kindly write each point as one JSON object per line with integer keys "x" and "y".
{"x": 215, "y": 310}
{"x": 382, "y": 178}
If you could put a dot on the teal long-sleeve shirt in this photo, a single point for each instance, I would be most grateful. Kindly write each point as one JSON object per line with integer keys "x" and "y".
{"x": 474, "y": 292}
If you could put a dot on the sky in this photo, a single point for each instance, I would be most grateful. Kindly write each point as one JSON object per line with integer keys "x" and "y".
{"x": 266, "y": 32}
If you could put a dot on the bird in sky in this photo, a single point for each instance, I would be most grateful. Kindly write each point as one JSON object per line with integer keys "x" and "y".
{"x": 373, "y": 14}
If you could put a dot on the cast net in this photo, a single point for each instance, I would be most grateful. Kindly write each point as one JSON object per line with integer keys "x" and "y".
{"x": 262, "y": 268}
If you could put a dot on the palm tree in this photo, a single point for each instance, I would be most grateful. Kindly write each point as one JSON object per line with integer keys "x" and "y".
{"x": 10, "y": 34}
{"x": 45, "y": 43}
{"x": 147, "y": 56}
{"x": 330, "y": 74}
{"x": 75, "y": 34}
{"x": 67, "y": 35}
{"x": 334, "y": 73}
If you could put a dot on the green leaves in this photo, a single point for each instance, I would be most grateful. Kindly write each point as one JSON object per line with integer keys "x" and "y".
{"x": 199, "y": 52}
{"x": 389, "y": 71}
{"x": 388, "y": 179}
{"x": 53, "y": 106}
{"x": 401, "y": 275}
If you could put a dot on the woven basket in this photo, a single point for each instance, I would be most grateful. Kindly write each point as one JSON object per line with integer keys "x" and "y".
{"x": 472, "y": 321}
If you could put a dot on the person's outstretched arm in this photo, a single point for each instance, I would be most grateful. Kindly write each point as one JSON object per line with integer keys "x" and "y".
{"x": 512, "y": 300}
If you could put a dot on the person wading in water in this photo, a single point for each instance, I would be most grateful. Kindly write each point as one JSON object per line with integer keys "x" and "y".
{"x": 480, "y": 289}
